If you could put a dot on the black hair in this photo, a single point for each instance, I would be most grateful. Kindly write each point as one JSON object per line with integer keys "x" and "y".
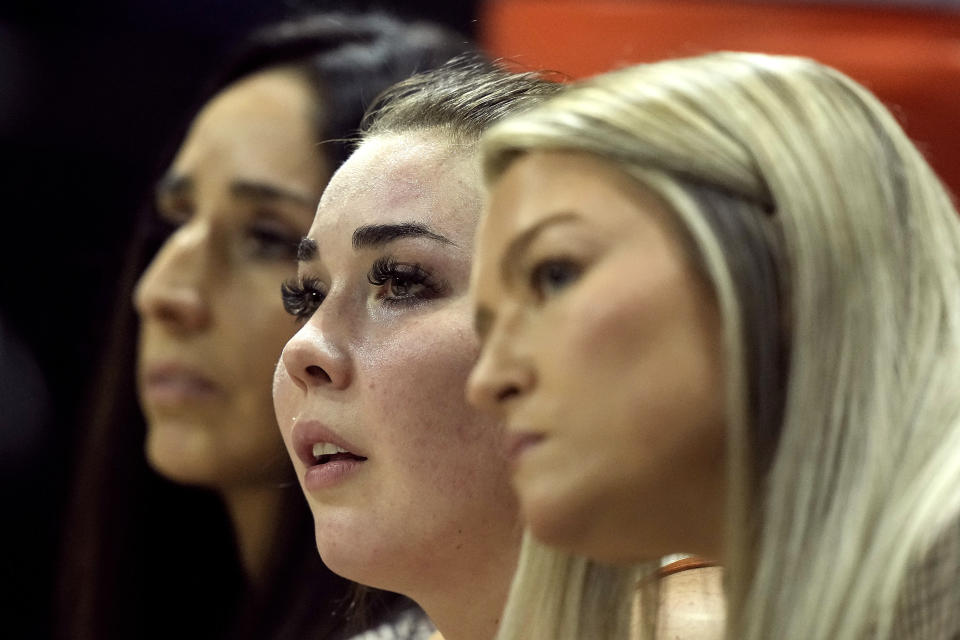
{"x": 348, "y": 60}
{"x": 146, "y": 558}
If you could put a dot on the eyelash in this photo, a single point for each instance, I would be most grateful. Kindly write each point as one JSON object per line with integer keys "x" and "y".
{"x": 301, "y": 298}
{"x": 404, "y": 275}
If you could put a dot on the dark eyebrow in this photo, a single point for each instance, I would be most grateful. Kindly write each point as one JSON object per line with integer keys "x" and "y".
{"x": 518, "y": 245}
{"x": 253, "y": 190}
{"x": 306, "y": 250}
{"x": 174, "y": 184}
{"x": 375, "y": 235}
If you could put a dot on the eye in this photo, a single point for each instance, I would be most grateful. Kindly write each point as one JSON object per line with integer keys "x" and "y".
{"x": 404, "y": 282}
{"x": 272, "y": 240}
{"x": 301, "y": 298}
{"x": 553, "y": 275}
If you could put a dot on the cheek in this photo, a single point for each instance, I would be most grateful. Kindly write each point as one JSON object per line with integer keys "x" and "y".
{"x": 255, "y": 328}
{"x": 418, "y": 384}
{"x": 647, "y": 353}
{"x": 285, "y": 394}
{"x": 600, "y": 337}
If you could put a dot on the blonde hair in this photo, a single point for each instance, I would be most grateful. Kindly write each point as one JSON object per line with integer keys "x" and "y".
{"x": 834, "y": 253}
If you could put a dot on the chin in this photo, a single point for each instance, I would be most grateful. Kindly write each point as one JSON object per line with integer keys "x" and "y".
{"x": 552, "y": 524}
{"x": 351, "y": 556}
{"x": 578, "y": 531}
{"x": 568, "y": 525}
{"x": 171, "y": 457}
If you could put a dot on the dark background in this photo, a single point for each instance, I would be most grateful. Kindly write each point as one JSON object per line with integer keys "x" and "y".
{"x": 92, "y": 96}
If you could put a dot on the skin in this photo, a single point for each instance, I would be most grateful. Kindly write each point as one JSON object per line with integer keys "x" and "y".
{"x": 602, "y": 351}
{"x": 240, "y": 193}
{"x": 430, "y": 512}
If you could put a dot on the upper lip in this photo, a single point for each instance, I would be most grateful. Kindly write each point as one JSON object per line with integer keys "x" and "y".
{"x": 306, "y": 433}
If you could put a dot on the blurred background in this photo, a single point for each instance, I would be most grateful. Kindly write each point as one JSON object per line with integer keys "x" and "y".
{"x": 92, "y": 95}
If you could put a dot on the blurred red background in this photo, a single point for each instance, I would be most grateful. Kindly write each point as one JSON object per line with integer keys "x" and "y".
{"x": 908, "y": 55}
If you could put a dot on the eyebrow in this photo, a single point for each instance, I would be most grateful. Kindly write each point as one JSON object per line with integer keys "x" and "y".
{"x": 307, "y": 249}
{"x": 180, "y": 185}
{"x": 375, "y": 235}
{"x": 518, "y": 246}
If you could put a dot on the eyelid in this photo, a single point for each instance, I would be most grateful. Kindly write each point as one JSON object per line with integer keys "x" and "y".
{"x": 521, "y": 246}
{"x": 386, "y": 271}
{"x": 273, "y": 216}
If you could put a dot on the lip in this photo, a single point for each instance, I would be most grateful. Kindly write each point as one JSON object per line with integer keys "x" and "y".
{"x": 176, "y": 383}
{"x": 305, "y": 434}
{"x": 518, "y": 443}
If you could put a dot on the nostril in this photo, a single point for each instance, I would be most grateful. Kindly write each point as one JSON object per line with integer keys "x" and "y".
{"x": 507, "y": 392}
{"x": 317, "y": 373}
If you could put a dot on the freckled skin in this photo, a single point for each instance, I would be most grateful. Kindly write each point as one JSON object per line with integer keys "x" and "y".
{"x": 620, "y": 370}
{"x": 430, "y": 513}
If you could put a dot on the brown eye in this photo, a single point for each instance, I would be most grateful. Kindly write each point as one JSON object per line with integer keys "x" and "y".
{"x": 404, "y": 283}
{"x": 301, "y": 299}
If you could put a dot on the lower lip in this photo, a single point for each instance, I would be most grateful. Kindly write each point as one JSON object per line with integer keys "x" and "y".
{"x": 326, "y": 476}
{"x": 518, "y": 444}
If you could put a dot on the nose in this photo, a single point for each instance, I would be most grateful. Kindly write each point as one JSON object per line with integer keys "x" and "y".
{"x": 312, "y": 358}
{"x": 502, "y": 374}
{"x": 172, "y": 290}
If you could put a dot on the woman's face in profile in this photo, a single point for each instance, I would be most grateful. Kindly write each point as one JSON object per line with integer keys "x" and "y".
{"x": 406, "y": 481}
{"x": 239, "y": 194}
{"x": 601, "y": 347}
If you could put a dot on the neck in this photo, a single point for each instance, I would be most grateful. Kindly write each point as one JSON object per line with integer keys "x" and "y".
{"x": 473, "y": 610}
{"x": 254, "y": 513}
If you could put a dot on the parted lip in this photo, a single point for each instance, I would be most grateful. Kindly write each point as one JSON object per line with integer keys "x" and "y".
{"x": 306, "y": 433}
{"x": 516, "y": 441}
{"x": 172, "y": 377}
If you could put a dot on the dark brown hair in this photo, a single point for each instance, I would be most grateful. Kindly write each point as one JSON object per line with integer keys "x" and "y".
{"x": 146, "y": 558}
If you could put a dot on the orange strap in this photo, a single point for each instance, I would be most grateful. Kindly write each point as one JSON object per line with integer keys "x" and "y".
{"x": 684, "y": 564}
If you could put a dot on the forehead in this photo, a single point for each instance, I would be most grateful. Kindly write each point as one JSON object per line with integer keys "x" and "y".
{"x": 548, "y": 181}
{"x": 263, "y": 120}
{"x": 545, "y": 183}
{"x": 408, "y": 177}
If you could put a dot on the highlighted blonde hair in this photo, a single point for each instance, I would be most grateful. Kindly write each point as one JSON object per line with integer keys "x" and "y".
{"x": 834, "y": 253}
